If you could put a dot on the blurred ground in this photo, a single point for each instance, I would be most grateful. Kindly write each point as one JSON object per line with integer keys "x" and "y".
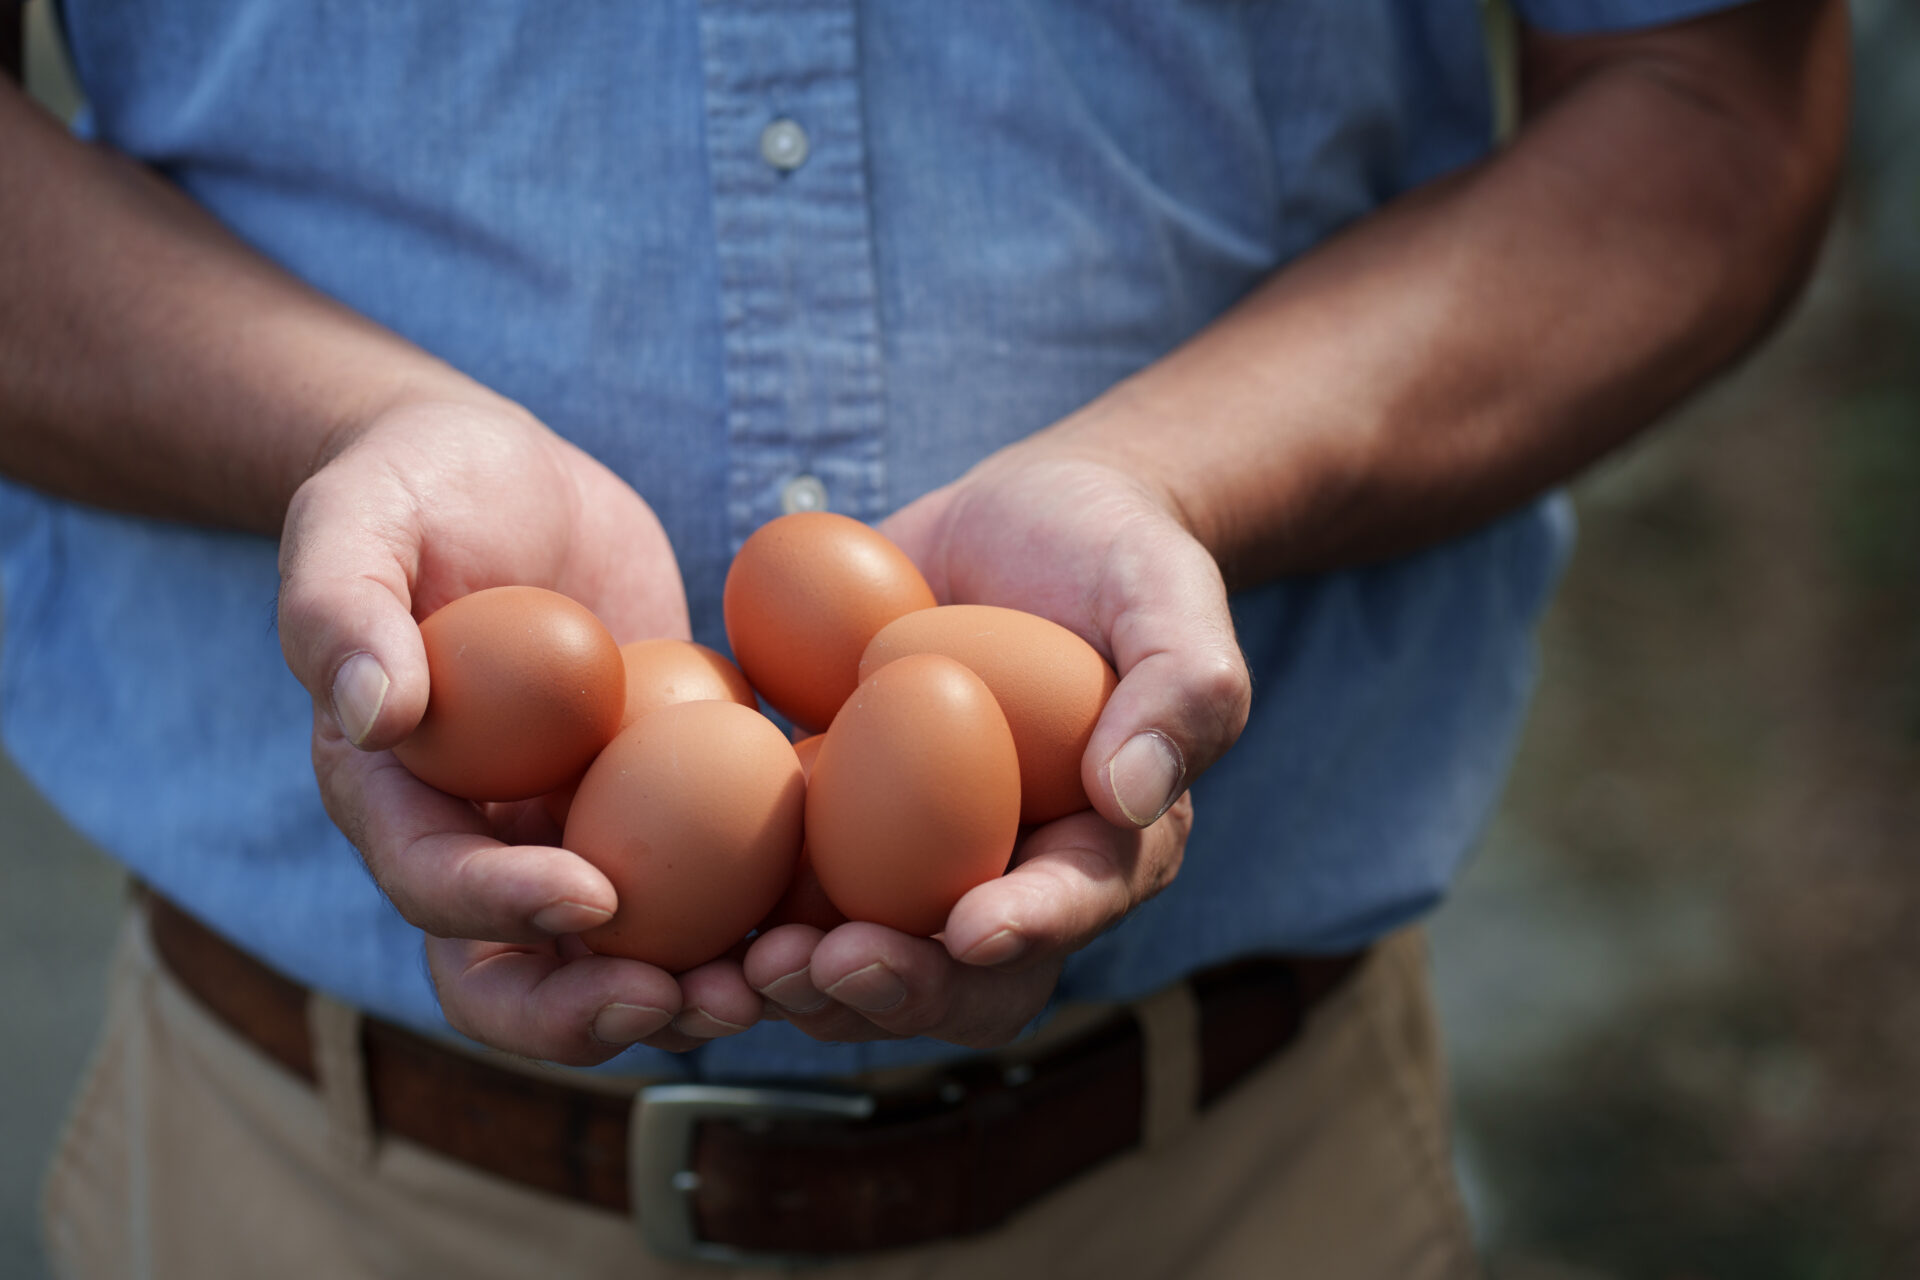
{"x": 57, "y": 924}
{"x": 58, "y": 919}
{"x": 1681, "y": 980}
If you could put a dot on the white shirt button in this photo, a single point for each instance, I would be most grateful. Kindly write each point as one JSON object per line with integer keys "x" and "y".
{"x": 783, "y": 144}
{"x": 803, "y": 493}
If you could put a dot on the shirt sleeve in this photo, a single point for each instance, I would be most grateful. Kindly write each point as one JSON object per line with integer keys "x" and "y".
{"x": 1584, "y": 17}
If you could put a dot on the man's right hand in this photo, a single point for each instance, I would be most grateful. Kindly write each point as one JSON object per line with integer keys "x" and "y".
{"x": 429, "y": 502}
{"x": 153, "y": 362}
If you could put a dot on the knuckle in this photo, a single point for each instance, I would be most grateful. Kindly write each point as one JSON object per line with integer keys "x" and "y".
{"x": 1221, "y": 684}
{"x": 301, "y": 612}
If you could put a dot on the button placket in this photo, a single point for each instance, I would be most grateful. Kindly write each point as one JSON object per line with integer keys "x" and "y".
{"x": 799, "y": 301}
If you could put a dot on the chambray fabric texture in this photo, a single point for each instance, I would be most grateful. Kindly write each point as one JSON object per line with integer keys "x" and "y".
{"x": 1006, "y": 207}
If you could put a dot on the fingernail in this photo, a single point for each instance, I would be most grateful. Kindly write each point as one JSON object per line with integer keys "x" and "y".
{"x": 359, "y": 691}
{"x": 999, "y": 948}
{"x": 874, "y": 989}
{"x": 1146, "y": 775}
{"x": 795, "y": 993}
{"x": 624, "y": 1023}
{"x": 569, "y": 917}
{"x": 702, "y": 1025}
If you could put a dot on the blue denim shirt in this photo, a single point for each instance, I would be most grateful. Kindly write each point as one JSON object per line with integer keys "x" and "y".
{"x": 1003, "y": 207}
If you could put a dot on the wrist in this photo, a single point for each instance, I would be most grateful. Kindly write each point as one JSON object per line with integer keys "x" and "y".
{"x": 428, "y": 390}
{"x": 1201, "y": 444}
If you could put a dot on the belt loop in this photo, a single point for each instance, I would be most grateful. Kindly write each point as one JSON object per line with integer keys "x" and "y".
{"x": 1170, "y": 1063}
{"x": 639, "y": 1157}
{"x": 341, "y": 1069}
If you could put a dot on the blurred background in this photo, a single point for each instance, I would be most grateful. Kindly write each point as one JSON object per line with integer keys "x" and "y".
{"x": 1681, "y": 979}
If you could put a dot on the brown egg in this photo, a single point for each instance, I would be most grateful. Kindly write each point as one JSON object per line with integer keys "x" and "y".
{"x": 915, "y": 798}
{"x": 525, "y": 688}
{"x": 803, "y": 597}
{"x": 694, "y": 812}
{"x": 1050, "y": 684}
{"x": 660, "y": 673}
{"x": 664, "y": 671}
{"x": 805, "y": 901}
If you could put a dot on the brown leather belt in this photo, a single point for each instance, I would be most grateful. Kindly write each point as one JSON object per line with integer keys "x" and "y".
{"x": 774, "y": 1171}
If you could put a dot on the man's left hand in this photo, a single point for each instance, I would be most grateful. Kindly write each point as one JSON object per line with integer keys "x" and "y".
{"x": 1074, "y": 537}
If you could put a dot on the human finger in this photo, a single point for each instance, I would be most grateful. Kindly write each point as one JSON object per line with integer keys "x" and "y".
{"x": 1184, "y": 689}
{"x": 348, "y": 557}
{"x": 778, "y": 966}
{"x": 533, "y": 1002}
{"x": 716, "y": 1001}
{"x": 1001, "y": 952}
{"x": 1072, "y": 880}
{"x": 908, "y": 986}
{"x": 435, "y": 858}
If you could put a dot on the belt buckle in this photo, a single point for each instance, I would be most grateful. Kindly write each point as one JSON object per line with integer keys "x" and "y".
{"x": 660, "y": 1175}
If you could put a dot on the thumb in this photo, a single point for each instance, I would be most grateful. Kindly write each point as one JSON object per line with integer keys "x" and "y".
{"x": 1184, "y": 689}
{"x": 915, "y": 528}
{"x": 345, "y": 609}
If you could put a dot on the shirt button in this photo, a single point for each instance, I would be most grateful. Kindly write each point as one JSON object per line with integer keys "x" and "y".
{"x": 803, "y": 493}
{"x": 783, "y": 144}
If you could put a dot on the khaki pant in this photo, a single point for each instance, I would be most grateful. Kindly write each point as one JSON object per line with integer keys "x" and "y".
{"x": 189, "y": 1155}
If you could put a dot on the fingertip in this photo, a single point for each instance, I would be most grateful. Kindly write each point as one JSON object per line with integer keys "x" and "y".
{"x": 1002, "y": 947}
{"x": 778, "y": 953}
{"x": 345, "y": 615}
{"x": 566, "y": 918}
{"x": 873, "y": 988}
{"x": 379, "y": 690}
{"x": 794, "y": 993}
{"x": 572, "y": 894}
{"x": 716, "y": 1001}
{"x": 619, "y": 1024}
{"x": 997, "y": 909}
{"x": 360, "y": 690}
{"x": 1074, "y": 879}
{"x": 1171, "y": 717}
{"x": 456, "y": 884}
{"x": 1145, "y": 776}
{"x": 854, "y": 946}
{"x": 360, "y": 654}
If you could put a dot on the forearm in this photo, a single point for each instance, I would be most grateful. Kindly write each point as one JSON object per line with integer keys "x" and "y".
{"x": 1487, "y": 337}
{"x": 150, "y": 361}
